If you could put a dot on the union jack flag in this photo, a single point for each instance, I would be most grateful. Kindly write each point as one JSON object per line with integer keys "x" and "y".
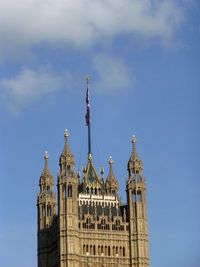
{"x": 87, "y": 116}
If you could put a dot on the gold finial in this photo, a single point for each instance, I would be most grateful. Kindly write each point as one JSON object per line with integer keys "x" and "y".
{"x": 90, "y": 156}
{"x": 66, "y": 134}
{"x": 46, "y": 155}
{"x": 134, "y": 139}
{"x": 110, "y": 160}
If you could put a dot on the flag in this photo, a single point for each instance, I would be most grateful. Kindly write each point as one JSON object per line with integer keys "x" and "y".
{"x": 87, "y": 116}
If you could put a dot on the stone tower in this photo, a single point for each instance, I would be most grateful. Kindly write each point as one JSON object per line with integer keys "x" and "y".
{"x": 68, "y": 236}
{"x": 91, "y": 226}
{"x": 137, "y": 211}
{"x": 47, "y": 228}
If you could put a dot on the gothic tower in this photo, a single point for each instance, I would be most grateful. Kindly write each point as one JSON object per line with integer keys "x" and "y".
{"x": 46, "y": 203}
{"x": 137, "y": 211}
{"x": 68, "y": 209}
{"x": 91, "y": 226}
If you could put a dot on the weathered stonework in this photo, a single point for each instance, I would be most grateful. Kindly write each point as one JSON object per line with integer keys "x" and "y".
{"x": 92, "y": 227}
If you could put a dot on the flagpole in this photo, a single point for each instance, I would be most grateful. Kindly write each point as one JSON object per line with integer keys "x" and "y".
{"x": 88, "y": 116}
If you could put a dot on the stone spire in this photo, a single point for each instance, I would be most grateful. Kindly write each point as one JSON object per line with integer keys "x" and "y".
{"x": 66, "y": 157}
{"x": 111, "y": 181}
{"x": 46, "y": 178}
{"x": 134, "y": 163}
{"x": 46, "y": 198}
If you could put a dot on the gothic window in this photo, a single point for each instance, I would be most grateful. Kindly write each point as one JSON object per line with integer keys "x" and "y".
{"x": 102, "y": 250}
{"x": 48, "y": 210}
{"x": 69, "y": 190}
{"x": 134, "y": 197}
{"x": 113, "y": 192}
{"x": 98, "y": 250}
{"x": 68, "y": 170}
{"x": 43, "y": 211}
{"x": 88, "y": 222}
{"x": 108, "y": 250}
{"x": 139, "y": 196}
{"x": 84, "y": 249}
{"x": 117, "y": 252}
{"x": 94, "y": 252}
{"x": 64, "y": 191}
{"x": 95, "y": 191}
{"x": 123, "y": 251}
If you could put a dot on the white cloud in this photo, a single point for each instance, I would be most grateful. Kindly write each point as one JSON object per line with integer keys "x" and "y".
{"x": 113, "y": 74}
{"x": 83, "y": 22}
{"x": 30, "y": 85}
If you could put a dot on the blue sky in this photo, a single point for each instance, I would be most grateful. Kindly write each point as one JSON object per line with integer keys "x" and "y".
{"x": 144, "y": 59}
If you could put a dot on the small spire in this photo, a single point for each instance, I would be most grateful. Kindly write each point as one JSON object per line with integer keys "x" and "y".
{"x": 111, "y": 181}
{"x": 134, "y": 141}
{"x": 134, "y": 164}
{"x": 46, "y": 172}
{"x": 66, "y": 150}
{"x": 46, "y": 157}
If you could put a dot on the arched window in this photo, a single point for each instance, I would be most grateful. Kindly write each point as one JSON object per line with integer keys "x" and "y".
{"x": 134, "y": 197}
{"x": 102, "y": 250}
{"x": 69, "y": 190}
{"x": 84, "y": 249}
{"x": 94, "y": 252}
{"x": 68, "y": 170}
{"x": 64, "y": 191}
{"x": 139, "y": 196}
{"x": 123, "y": 251}
{"x": 108, "y": 250}
{"x": 95, "y": 191}
{"x": 43, "y": 211}
{"x": 48, "y": 210}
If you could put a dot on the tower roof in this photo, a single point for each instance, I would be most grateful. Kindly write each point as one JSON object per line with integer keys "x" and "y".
{"x": 134, "y": 163}
{"x": 111, "y": 180}
{"x": 67, "y": 151}
{"x": 46, "y": 176}
{"x": 90, "y": 173}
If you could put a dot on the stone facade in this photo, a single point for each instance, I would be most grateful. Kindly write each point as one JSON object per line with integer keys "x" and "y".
{"x": 91, "y": 226}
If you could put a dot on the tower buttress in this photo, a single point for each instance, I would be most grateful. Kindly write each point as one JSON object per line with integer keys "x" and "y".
{"x": 46, "y": 205}
{"x": 137, "y": 211}
{"x": 67, "y": 207}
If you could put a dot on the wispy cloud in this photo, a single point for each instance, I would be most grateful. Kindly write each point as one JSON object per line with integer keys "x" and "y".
{"x": 113, "y": 75}
{"x": 84, "y": 22}
{"x": 29, "y": 85}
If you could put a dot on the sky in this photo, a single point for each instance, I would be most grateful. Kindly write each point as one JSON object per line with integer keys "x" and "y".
{"x": 143, "y": 57}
